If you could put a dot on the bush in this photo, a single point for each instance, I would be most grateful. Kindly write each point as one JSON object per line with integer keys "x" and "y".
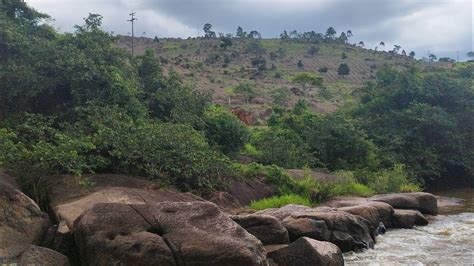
{"x": 279, "y": 201}
{"x": 281, "y": 147}
{"x": 271, "y": 174}
{"x": 352, "y": 189}
{"x": 224, "y": 130}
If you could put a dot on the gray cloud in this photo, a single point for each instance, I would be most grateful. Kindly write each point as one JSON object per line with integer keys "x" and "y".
{"x": 442, "y": 26}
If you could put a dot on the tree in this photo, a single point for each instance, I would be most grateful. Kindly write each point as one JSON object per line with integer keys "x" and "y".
{"x": 240, "y": 32}
{"x": 396, "y": 49}
{"x": 342, "y": 38}
{"x": 470, "y": 54}
{"x": 224, "y": 130}
{"x": 432, "y": 57}
{"x": 361, "y": 44}
{"x": 343, "y": 69}
{"x": 343, "y": 55}
{"x": 225, "y": 42}
{"x": 208, "y": 33}
{"x": 349, "y": 34}
{"x": 330, "y": 33}
{"x": 93, "y": 21}
{"x": 284, "y": 36}
{"x": 255, "y": 35}
{"x": 306, "y": 79}
{"x": 382, "y": 43}
{"x": 156, "y": 39}
{"x": 412, "y": 54}
{"x": 446, "y": 59}
{"x": 246, "y": 90}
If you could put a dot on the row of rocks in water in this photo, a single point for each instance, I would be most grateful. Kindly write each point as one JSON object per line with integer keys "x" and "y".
{"x": 128, "y": 222}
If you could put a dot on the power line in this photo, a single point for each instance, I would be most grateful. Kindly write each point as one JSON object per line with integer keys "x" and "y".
{"x": 132, "y": 19}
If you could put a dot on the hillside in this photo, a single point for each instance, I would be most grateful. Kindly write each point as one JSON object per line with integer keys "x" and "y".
{"x": 216, "y": 70}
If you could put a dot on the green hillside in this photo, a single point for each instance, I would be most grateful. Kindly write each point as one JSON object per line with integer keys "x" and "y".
{"x": 216, "y": 70}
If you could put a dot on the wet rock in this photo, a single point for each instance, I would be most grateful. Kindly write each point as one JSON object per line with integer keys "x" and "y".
{"x": 22, "y": 223}
{"x": 35, "y": 255}
{"x": 168, "y": 233}
{"x": 424, "y": 202}
{"x": 306, "y": 227}
{"x": 267, "y": 229}
{"x": 374, "y": 212}
{"x": 307, "y": 251}
{"x": 408, "y": 218}
{"x": 348, "y": 232}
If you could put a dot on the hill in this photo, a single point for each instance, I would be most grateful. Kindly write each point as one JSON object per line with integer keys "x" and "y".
{"x": 211, "y": 68}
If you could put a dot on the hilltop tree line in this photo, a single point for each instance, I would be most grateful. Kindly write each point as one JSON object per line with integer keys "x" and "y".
{"x": 74, "y": 103}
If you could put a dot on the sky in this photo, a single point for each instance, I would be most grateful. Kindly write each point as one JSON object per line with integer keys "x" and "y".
{"x": 443, "y": 27}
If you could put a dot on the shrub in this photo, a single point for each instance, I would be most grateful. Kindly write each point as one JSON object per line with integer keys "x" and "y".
{"x": 352, "y": 189}
{"x": 279, "y": 201}
{"x": 224, "y": 130}
{"x": 323, "y": 70}
{"x": 271, "y": 174}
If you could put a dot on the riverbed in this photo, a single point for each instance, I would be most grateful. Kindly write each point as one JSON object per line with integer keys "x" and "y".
{"x": 447, "y": 240}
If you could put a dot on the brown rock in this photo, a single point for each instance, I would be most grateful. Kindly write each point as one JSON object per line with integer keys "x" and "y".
{"x": 22, "y": 223}
{"x": 408, "y": 218}
{"x": 245, "y": 191}
{"x": 424, "y": 202}
{"x": 348, "y": 232}
{"x": 374, "y": 212}
{"x": 306, "y": 227}
{"x": 307, "y": 251}
{"x": 168, "y": 233}
{"x": 267, "y": 229}
{"x": 285, "y": 211}
{"x": 35, "y": 255}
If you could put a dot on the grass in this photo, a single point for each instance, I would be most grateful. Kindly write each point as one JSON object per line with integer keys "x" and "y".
{"x": 351, "y": 189}
{"x": 279, "y": 201}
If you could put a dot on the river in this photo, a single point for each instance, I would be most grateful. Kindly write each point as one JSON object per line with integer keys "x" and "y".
{"x": 447, "y": 240}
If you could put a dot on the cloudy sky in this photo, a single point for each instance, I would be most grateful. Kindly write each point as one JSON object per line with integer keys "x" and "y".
{"x": 440, "y": 26}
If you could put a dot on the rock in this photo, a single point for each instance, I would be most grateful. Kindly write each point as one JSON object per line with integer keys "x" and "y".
{"x": 307, "y": 251}
{"x": 374, "y": 212}
{"x": 306, "y": 227}
{"x": 266, "y": 228}
{"x": 285, "y": 211}
{"x": 245, "y": 191}
{"x": 408, "y": 218}
{"x": 348, "y": 232}
{"x": 345, "y": 201}
{"x": 60, "y": 239}
{"x": 424, "y": 202}
{"x": 270, "y": 248}
{"x": 22, "y": 223}
{"x": 35, "y": 255}
{"x": 225, "y": 200}
{"x": 71, "y": 210}
{"x": 167, "y": 233}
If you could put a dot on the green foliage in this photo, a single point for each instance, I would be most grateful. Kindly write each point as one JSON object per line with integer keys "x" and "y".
{"x": 279, "y": 201}
{"x": 343, "y": 69}
{"x": 306, "y": 79}
{"x": 246, "y": 90}
{"x": 270, "y": 174}
{"x": 281, "y": 147}
{"x": 423, "y": 120}
{"x": 224, "y": 130}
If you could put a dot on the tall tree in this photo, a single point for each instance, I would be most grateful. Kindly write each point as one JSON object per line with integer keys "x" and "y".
{"x": 330, "y": 33}
{"x": 306, "y": 79}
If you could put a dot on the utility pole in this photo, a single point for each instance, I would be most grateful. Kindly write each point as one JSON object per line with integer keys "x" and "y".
{"x": 132, "y": 19}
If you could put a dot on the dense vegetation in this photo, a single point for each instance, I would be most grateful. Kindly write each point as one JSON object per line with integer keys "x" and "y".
{"x": 75, "y": 103}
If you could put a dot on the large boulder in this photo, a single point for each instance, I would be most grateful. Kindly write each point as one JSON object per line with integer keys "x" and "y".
{"x": 35, "y": 255}
{"x": 424, "y": 202}
{"x": 408, "y": 218}
{"x": 266, "y": 228}
{"x": 374, "y": 212}
{"x": 22, "y": 223}
{"x": 306, "y": 227}
{"x": 69, "y": 211}
{"x": 348, "y": 232}
{"x": 285, "y": 211}
{"x": 167, "y": 233}
{"x": 307, "y": 251}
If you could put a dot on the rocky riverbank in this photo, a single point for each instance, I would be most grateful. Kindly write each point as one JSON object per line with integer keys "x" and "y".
{"x": 125, "y": 220}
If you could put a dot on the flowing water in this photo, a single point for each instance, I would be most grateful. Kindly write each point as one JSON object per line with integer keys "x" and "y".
{"x": 447, "y": 240}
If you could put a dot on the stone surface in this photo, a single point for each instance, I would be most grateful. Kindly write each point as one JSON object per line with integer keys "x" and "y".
{"x": 22, "y": 223}
{"x": 61, "y": 239}
{"x": 348, "y": 232}
{"x": 306, "y": 227}
{"x": 35, "y": 255}
{"x": 374, "y": 212}
{"x": 307, "y": 251}
{"x": 408, "y": 218}
{"x": 285, "y": 211}
{"x": 266, "y": 228}
{"x": 167, "y": 233}
{"x": 424, "y": 202}
{"x": 69, "y": 211}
